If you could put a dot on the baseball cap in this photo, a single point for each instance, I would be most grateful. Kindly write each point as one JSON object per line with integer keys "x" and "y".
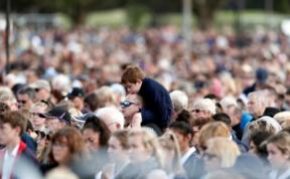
{"x": 58, "y": 112}
{"x": 41, "y": 84}
{"x": 262, "y": 75}
{"x": 76, "y": 92}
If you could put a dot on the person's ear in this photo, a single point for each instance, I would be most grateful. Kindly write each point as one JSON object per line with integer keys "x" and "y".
{"x": 18, "y": 130}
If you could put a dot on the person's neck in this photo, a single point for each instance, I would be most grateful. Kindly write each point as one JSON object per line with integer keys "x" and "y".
{"x": 185, "y": 150}
{"x": 10, "y": 147}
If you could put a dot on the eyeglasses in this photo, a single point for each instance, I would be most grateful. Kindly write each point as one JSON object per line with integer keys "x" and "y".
{"x": 126, "y": 104}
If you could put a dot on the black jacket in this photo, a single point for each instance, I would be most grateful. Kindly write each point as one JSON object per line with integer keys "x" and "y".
{"x": 157, "y": 105}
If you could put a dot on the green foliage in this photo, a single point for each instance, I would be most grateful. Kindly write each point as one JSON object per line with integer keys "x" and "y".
{"x": 137, "y": 15}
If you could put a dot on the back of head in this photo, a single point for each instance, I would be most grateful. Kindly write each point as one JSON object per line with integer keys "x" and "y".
{"x": 211, "y": 130}
{"x": 179, "y": 100}
{"x": 225, "y": 149}
{"x": 132, "y": 74}
{"x": 104, "y": 97}
{"x": 222, "y": 117}
{"x": 111, "y": 115}
{"x": 205, "y": 104}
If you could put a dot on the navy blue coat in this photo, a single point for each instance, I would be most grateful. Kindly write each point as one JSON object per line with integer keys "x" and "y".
{"x": 157, "y": 105}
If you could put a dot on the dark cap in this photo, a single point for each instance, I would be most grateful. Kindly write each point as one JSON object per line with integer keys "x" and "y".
{"x": 261, "y": 75}
{"x": 76, "y": 92}
{"x": 60, "y": 113}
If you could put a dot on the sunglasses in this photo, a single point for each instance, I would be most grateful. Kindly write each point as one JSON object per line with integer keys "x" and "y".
{"x": 126, "y": 104}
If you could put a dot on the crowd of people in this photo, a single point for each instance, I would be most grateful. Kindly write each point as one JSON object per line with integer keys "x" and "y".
{"x": 125, "y": 104}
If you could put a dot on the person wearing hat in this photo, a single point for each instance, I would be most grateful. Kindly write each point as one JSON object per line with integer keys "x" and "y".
{"x": 57, "y": 118}
{"x": 76, "y": 96}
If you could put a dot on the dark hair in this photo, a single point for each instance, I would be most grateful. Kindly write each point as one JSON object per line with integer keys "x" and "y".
{"x": 4, "y": 107}
{"x": 184, "y": 116}
{"x": 182, "y": 127}
{"x": 91, "y": 101}
{"x": 222, "y": 117}
{"x": 72, "y": 138}
{"x": 259, "y": 138}
{"x": 15, "y": 119}
{"x": 132, "y": 74}
{"x": 28, "y": 91}
{"x": 94, "y": 123}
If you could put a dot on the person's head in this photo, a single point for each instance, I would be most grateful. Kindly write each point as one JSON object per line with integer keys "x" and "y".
{"x": 257, "y": 140}
{"x": 278, "y": 148}
{"x": 42, "y": 89}
{"x": 119, "y": 92}
{"x": 118, "y": 146}
{"x": 144, "y": 145}
{"x": 222, "y": 117}
{"x": 257, "y": 102}
{"x": 132, "y": 79}
{"x": 211, "y": 130}
{"x": 57, "y": 118}
{"x": 220, "y": 153}
{"x": 131, "y": 106}
{"x": 36, "y": 110}
{"x": 230, "y": 107}
{"x": 104, "y": 97}
{"x": 179, "y": 101}
{"x": 202, "y": 110}
{"x": 7, "y": 97}
{"x": 184, "y": 134}
{"x": 91, "y": 102}
{"x": 12, "y": 126}
{"x": 95, "y": 133}
{"x": 265, "y": 123}
{"x": 26, "y": 97}
{"x": 170, "y": 145}
{"x": 112, "y": 117}
{"x": 67, "y": 146}
{"x": 283, "y": 118}
{"x": 77, "y": 98}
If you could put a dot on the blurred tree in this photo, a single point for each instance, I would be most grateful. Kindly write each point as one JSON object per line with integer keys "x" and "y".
{"x": 205, "y": 11}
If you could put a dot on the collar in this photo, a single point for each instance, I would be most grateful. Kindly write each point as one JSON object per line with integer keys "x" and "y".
{"x": 14, "y": 151}
{"x": 187, "y": 155}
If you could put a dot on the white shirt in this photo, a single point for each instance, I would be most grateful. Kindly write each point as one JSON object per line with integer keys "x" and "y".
{"x": 9, "y": 159}
{"x": 187, "y": 155}
{"x": 285, "y": 175}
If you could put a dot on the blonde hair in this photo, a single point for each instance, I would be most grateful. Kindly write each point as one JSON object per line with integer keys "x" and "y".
{"x": 211, "y": 130}
{"x": 169, "y": 142}
{"x": 225, "y": 149}
{"x": 283, "y": 118}
{"x": 150, "y": 142}
{"x": 281, "y": 141}
{"x": 105, "y": 96}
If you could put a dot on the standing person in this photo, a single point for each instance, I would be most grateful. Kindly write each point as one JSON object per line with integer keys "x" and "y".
{"x": 12, "y": 126}
{"x": 157, "y": 105}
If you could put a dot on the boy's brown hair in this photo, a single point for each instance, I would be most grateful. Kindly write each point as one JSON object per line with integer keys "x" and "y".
{"x": 15, "y": 119}
{"x": 132, "y": 74}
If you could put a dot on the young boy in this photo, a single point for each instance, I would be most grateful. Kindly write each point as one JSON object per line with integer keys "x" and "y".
{"x": 12, "y": 125}
{"x": 157, "y": 105}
